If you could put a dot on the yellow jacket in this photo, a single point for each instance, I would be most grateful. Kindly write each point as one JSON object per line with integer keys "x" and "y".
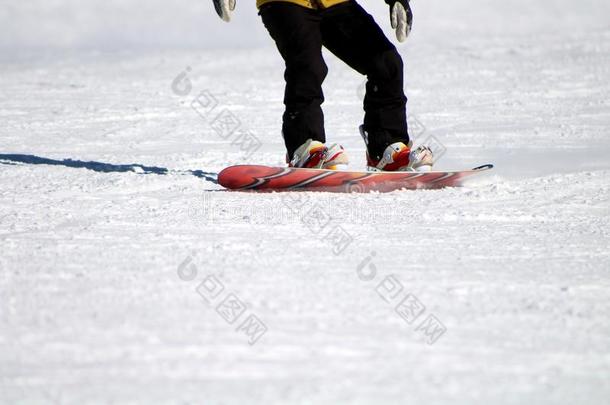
{"x": 306, "y": 3}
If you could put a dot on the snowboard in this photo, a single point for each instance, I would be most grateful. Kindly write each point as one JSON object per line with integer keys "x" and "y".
{"x": 254, "y": 177}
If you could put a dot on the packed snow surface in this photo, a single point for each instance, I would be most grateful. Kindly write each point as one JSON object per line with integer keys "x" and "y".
{"x": 127, "y": 275}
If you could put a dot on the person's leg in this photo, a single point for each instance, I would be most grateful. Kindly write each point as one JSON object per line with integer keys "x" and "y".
{"x": 296, "y": 32}
{"x": 350, "y": 33}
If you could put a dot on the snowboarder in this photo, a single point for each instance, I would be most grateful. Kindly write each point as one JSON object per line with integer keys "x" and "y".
{"x": 300, "y": 28}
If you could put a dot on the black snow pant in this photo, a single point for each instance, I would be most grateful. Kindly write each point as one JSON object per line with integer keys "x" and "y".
{"x": 350, "y": 33}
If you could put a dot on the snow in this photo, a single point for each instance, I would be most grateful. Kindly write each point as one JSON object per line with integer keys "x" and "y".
{"x": 110, "y": 220}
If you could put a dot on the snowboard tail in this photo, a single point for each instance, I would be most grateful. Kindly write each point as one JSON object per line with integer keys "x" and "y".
{"x": 254, "y": 177}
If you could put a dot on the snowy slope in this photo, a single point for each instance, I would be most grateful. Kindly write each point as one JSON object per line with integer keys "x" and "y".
{"x": 107, "y": 202}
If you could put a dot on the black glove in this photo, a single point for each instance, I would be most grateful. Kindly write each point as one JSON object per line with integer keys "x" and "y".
{"x": 401, "y": 18}
{"x": 224, "y": 8}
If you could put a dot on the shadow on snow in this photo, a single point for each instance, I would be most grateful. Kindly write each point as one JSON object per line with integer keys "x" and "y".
{"x": 13, "y": 159}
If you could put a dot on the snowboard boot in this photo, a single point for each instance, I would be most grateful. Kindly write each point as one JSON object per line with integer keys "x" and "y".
{"x": 316, "y": 155}
{"x": 399, "y": 157}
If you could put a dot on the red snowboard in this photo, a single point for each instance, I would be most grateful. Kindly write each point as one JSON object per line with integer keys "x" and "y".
{"x": 252, "y": 177}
